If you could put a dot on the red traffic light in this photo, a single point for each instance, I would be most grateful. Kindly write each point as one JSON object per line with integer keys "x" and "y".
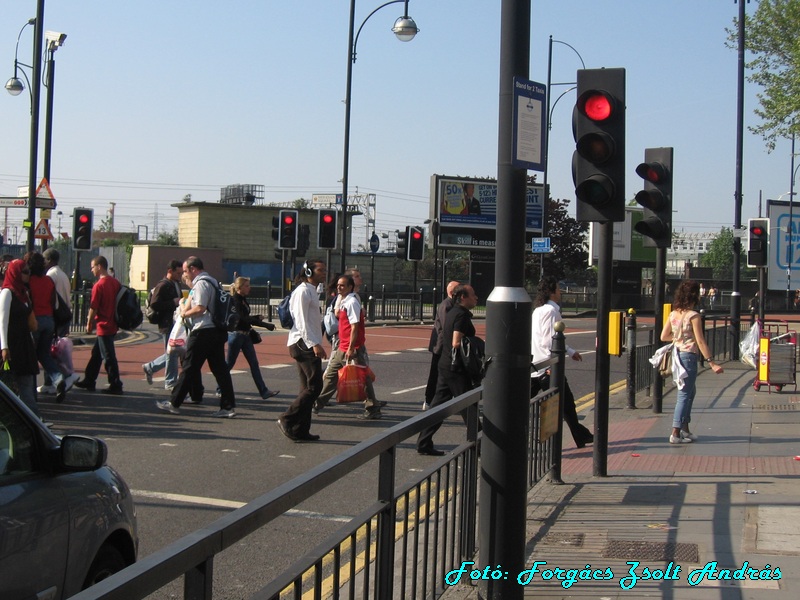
{"x": 416, "y": 234}
{"x": 327, "y": 218}
{"x": 596, "y": 105}
{"x": 288, "y": 219}
{"x": 653, "y": 172}
{"x": 757, "y": 230}
{"x": 83, "y": 218}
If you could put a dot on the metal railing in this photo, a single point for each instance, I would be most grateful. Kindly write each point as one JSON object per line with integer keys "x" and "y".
{"x": 399, "y": 546}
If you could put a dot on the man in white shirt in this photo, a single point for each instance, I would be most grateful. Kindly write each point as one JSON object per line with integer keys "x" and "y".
{"x": 305, "y": 347}
{"x": 545, "y": 316}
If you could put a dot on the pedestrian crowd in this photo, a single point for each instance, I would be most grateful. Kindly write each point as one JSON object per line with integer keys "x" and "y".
{"x": 33, "y": 334}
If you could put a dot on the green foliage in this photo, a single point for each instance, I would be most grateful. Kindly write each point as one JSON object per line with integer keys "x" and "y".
{"x": 771, "y": 35}
{"x": 719, "y": 255}
{"x": 168, "y": 238}
{"x": 569, "y": 256}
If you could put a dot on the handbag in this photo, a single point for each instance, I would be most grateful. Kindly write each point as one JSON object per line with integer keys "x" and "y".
{"x": 62, "y": 315}
{"x": 7, "y": 377}
{"x": 352, "y": 384}
{"x": 665, "y": 364}
{"x": 255, "y": 337}
{"x": 472, "y": 356}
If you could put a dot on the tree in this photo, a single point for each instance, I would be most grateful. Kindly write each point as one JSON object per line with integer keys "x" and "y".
{"x": 168, "y": 238}
{"x": 771, "y": 35}
{"x": 719, "y": 255}
{"x": 569, "y": 256}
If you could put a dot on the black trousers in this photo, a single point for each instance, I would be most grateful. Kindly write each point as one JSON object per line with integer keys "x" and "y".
{"x": 448, "y": 386}
{"x": 203, "y": 345}
{"x": 579, "y": 433}
{"x": 433, "y": 378}
{"x": 297, "y": 418}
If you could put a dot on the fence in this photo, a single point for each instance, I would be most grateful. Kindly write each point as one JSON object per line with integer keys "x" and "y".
{"x": 399, "y": 546}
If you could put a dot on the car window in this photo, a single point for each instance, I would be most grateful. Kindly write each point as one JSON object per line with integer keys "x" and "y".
{"x": 17, "y": 448}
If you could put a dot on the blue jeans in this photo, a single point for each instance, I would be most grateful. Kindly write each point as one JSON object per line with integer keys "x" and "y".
{"x": 683, "y": 405}
{"x": 239, "y": 341}
{"x": 170, "y": 361}
{"x": 103, "y": 352}
{"x": 43, "y": 339}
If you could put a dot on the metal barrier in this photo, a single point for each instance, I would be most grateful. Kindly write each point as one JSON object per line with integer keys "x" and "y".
{"x": 399, "y": 546}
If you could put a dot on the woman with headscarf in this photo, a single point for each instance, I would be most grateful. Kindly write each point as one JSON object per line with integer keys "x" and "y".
{"x": 17, "y": 323}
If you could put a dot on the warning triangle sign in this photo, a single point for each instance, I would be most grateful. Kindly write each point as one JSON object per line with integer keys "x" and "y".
{"x": 43, "y": 191}
{"x": 42, "y": 231}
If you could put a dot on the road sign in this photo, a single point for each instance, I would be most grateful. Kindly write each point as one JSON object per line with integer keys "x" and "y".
{"x": 540, "y": 245}
{"x": 374, "y": 243}
{"x": 43, "y": 231}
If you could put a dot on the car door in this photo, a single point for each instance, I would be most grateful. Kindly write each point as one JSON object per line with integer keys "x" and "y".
{"x": 34, "y": 521}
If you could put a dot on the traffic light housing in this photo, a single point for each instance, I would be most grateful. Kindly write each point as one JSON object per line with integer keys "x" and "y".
{"x": 326, "y": 228}
{"x": 402, "y": 243}
{"x": 82, "y": 227}
{"x": 288, "y": 229}
{"x": 656, "y": 198}
{"x": 416, "y": 243}
{"x": 758, "y": 247}
{"x": 303, "y": 240}
{"x": 598, "y": 163}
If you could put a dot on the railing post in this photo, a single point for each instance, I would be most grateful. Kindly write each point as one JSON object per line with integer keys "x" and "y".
{"x": 703, "y": 329}
{"x": 421, "y": 308}
{"x": 630, "y": 346}
{"x": 371, "y": 309}
{"x": 384, "y": 559}
{"x": 433, "y": 304}
{"x": 383, "y": 302}
{"x": 198, "y": 581}
{"x": 557, "y": 379}
{"x": 269, "y": 301}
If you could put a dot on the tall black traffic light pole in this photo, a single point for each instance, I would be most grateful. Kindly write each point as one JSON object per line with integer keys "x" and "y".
{"x": 736, "y": 296}
{"x": 506, "y": 389}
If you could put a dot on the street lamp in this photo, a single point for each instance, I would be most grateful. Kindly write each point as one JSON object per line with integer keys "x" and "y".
{"x": 15, "y": 87}
{"x": 405, "y": 29}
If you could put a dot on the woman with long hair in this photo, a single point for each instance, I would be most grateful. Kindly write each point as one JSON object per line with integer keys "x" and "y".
{"x": 240, "y": 340}
{"x": 684, "y": 328}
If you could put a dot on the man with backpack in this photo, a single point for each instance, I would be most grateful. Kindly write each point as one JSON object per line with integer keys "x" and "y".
{"x": 102, "y": 312}
{"x": 163, "y": 300}
{"x": 206, "y": 343}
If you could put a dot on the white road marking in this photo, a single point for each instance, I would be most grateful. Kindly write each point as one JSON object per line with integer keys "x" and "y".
{"x": 405, "y": 391}
{"x": 219, "y": 503}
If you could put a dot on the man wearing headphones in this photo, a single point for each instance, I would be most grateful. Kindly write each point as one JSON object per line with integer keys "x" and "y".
{"x": 305, "y": 347}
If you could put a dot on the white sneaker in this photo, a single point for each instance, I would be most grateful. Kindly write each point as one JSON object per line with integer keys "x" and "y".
{"x": 679, "y": 440}
{"x": 46, "y": 389}
{"x": 688, "y": 436}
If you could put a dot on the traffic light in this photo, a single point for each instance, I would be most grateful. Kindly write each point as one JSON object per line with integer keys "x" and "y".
{"x": 598, "y": 163}
{"x": 303, "y": 240}
{"x": 82, "y": 226}
{"x": 402, "y": 243}
{"x": 287, "y": 236}
{"x": 758, "y": 248}
{"x": 656, "y": 197}
{"x": 416, "y": 243}
{"x": 326, "y": 228}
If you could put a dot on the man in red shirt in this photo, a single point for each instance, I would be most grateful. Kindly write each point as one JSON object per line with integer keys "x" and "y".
{"x": 102, "y": 312}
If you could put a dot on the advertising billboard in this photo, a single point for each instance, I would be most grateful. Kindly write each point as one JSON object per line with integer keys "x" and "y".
{"x": 783, "y": 266}
{"x": 466, "y": 210}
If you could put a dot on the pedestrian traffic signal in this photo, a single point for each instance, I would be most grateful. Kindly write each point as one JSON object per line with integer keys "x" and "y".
{"x": 402, "y": 243}
{"x": 82, "y": 226}
{"x": 598, "y": 163}
{"x": 758, "y": 248}
{"x": 303, "y": 240}
{"x": 416, "y": 243}
{"x": 326, "y": 228}
{"x": 287, "y": 236}
{"x": 656, "y": 198}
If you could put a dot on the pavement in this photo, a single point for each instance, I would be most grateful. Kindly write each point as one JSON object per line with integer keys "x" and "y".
{"x": 717, "y": 518}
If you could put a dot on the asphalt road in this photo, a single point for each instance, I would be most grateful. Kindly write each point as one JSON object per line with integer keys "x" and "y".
{"x": 190, "y": 469}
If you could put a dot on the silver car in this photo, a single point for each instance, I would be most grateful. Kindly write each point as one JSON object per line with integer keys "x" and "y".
{"x": 67, "y": 520}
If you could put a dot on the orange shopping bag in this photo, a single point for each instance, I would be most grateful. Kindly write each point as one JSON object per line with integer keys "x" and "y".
{"x": 352, "y": 385}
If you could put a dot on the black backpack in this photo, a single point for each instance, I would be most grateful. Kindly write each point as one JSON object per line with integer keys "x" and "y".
{"x": 128, "y": 313}
{"x": 150, "y": 313}
{"x": 285, "y": 314}
{"x": 222, "y": 310}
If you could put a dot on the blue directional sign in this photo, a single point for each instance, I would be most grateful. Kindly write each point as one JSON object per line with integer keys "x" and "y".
{"x": 540, "y": 245}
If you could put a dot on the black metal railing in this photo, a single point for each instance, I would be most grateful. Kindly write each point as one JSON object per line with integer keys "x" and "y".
{"x": 399, "y": 546}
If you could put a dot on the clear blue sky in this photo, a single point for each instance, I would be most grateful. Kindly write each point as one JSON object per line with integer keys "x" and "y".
{"x": 156, "y": 99}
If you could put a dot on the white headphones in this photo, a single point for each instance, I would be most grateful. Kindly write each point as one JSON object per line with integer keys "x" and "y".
{"x": 306, "y": 271}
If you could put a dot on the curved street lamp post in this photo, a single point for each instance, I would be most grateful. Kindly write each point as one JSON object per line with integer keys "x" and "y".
{"x": 405, "y": 29}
